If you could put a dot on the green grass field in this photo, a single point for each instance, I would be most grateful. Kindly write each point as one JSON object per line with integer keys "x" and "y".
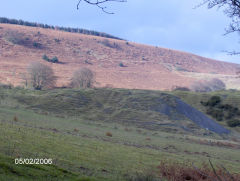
{"x": 104, "y": 134}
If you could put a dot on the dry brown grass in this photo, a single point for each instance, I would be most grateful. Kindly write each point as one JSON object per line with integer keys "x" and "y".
{"x": 109, "y": 134}
{"x": 74, "y": 49}
{"x": 183, "y": 172}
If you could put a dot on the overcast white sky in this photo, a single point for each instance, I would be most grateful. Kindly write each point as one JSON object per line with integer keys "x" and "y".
{"x": 171, "y": 24}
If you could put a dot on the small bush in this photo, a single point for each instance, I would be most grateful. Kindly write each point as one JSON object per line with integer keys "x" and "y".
{"x": 109, "y": 44}
{"x": 88, "y": 62}
{"x": 214, "y": 100}
{"x": 217, "y": 114}
{"x": 109, "y": 134}
{"x": 45, "y": 57}
{"x": 76, "y": 130}
{"x": 37, "y": 45}
{"x": 57, "y": 40}
{"x": 53, "y": 60}
{"x": 15, "y": 118}
{"x": 121, "y": 64}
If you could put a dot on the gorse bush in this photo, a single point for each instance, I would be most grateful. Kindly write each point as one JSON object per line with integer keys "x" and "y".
{"x": 121, "y": 64}
{"x": 53, "y": 60}
{"x": 45, "y": 57}
{"x": 222, "y": 112}
{"x": 37, "y": 45}
{"x": 233, "y": 123}
{"x": 213, "y": 101}
{"x": 218, "y": 114}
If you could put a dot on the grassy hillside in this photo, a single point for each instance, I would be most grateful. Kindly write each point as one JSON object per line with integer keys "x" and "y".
{"x": 117, "y": 63}
{"x": 230, "y": 97}
{"x": 102, "y": 134}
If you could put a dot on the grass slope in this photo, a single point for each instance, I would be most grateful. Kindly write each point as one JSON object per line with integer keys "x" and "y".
{"x": 71, "y": 127}
{"x": 117, "y": 63}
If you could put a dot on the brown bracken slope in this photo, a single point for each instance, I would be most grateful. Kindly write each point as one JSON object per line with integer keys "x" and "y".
{"x": 145, "y": 67}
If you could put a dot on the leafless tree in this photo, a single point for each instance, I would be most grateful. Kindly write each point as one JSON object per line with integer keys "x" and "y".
{"x": 83, "y": 78}
{"x": 41, "y": 76}
{"x": 216, "y": 84}
{"x": 100, "y": 4}
{"x": 208, "y": 86}
{"x": 232, "y": 10}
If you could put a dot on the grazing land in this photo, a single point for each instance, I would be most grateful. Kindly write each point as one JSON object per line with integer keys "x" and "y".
{"x": 106, "y": 134}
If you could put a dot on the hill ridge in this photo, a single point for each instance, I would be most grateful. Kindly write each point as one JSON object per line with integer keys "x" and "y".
{"x": 60, "y": 28}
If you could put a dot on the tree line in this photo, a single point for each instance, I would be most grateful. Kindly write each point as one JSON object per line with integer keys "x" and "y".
{"x": 66, "y": 29}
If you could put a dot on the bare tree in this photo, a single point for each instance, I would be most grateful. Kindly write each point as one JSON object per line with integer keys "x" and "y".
{"x": 83, "y": 78}
{"x": 232, "y": 10}
{"x": 41, "y": 76}
{"x": 100, "y": 4}
{"x": 208, "y": 86}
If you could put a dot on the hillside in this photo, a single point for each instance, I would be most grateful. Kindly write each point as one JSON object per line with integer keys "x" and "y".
{"x": 145, "y": 67}
{"x": 107, "y": 134}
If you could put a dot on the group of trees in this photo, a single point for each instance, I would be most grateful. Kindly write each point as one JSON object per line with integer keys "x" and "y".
{"x": 40, "y": 76}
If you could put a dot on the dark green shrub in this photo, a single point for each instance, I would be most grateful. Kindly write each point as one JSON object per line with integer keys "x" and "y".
{"x": 54, "y": 60}
{"x": 121, "y": 64}
{"x": 37, "y": 45}
{"x": 213, "y": 101}
{"x": 57, "y": 40}
{"x": 230, "y": 115}
{"x": 217, "y": 114}
{"x": 45, "y": 57}
{"x": 234, "y": 123}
